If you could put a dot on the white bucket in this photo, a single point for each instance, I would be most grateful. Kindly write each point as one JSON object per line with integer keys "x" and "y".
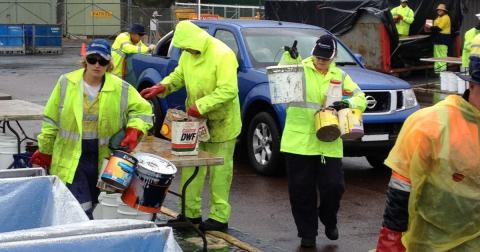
{"x": 185, "y": 138}
{"x": 8, "y": 147}
{"x": 286, "y": 83}
{"x": 109, "y": 211}
{"x": 132, "y": 215}
{"x": 111, "y": 198}
{"x": 462, "y": 85}
{"x": 448, "y": 81}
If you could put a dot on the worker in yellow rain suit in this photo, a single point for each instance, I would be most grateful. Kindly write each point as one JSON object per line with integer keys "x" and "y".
{"x": 208, "y": 70}
{"x": 441, "y": 37}
{"x": 436, "y": 176}
{"x": 86, "y": 109}
{"x": 467, "y": 41}
{"x": 403, "y": 17}
{"x": 128, "y": 43}
{"x": 314, "y": 165}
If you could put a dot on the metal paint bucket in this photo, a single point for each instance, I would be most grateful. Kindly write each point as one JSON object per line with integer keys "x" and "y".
{"x": 326, "y": 125}
{"x": 286, "y": 83}
{"x": 102, "y": 185}
{"x": 185, "y": 138}
{"x": 150, "y": 183}
{"x": 172, "y": 116}
{"x": 119, "y": 170}
{"x": 350, "y": 123}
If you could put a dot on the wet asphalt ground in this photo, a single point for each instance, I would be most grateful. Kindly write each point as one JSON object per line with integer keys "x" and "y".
{"x": 260, "y": 206}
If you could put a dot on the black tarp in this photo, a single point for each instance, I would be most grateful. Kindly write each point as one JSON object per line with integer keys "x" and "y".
{"x": 339, "y": 16}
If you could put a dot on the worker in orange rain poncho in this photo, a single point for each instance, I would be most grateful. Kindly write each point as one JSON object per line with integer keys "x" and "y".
{"x": 433, "y": 198}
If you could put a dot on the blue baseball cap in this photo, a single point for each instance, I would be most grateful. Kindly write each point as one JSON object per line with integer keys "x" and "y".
{"x": 100, "y": 47}
{"x": 138, "y": 29}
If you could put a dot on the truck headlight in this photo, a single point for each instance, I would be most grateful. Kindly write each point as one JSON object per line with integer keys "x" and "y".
{"x": 409, "y": 98}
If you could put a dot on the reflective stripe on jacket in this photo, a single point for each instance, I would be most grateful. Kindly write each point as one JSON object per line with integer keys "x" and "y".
{"x": 467, "y": 43}
{"x": 210, "y": 79}
{"x": 299, "y": 135}
{"x": 403, "y": 26}
{"x": 438, "y": 149}
{"x": 120, "y": 48}
{"x": 119, "y": 105}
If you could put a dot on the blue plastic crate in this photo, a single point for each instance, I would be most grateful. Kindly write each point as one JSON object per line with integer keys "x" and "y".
{"x": 11, "y": 35}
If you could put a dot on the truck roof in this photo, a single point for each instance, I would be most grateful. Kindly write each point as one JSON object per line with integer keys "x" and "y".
{"x": 242, "y": 23}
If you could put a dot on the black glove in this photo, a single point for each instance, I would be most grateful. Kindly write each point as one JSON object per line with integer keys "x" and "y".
{"x": 292, "y": 50}
{"x": 339, "y": 105}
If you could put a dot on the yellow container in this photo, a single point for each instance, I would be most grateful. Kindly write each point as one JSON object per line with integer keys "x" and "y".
{"x": 326, "y": 125}
{"x": 351, "y": 123}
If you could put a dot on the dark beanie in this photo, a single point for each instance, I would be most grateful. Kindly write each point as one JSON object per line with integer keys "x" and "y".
{"x": 138, "y": 29}
{"x": 325, "y": 47}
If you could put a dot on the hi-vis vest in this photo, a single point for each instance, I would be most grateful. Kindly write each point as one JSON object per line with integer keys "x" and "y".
{"x": 299, "y": 133}
{"x": 120, "y": 48}
{"x": 120, "y": 105}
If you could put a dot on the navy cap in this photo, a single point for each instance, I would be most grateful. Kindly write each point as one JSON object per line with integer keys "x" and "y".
{"x": 325, "y": 47}
{"x": 100, "y": 47}
{"x": 138, "y": 29}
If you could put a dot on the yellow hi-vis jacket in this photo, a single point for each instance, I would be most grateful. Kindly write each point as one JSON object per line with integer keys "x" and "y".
{"x": 299, "y": 135}
{"x": 120, "y": 48}
{"x": 403, "y": 26}
{"x": 467, "y": 43}
{"x": 438, "y": 150}
{"x": 120, "y": 105}
{"x": 210, "y": 79}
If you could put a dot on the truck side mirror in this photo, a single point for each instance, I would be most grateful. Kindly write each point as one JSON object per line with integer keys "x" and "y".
{"x": 359, "y": 57}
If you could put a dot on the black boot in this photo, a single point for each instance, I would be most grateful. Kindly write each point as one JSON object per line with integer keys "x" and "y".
{"x": 331, "y": 232}
{"x": 308, "y": 242}
{"x": 181, "y": 218}
{"x": 213, "y": 225}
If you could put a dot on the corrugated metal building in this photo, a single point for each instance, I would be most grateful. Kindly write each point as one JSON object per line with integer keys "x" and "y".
{"x": 28, "y": 11}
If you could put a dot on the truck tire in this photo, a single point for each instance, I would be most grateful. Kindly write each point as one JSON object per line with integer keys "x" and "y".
{"x": 157, "y": 117}
{"x": 376, "y": 160}
{"x": 263, "y": 144}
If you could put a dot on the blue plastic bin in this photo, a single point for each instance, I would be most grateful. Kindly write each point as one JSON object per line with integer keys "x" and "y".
{"x": 11, "y": 35}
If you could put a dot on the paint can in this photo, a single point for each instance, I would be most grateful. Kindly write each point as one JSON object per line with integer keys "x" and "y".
{"x": 150, "y": 183}
{"x": 119, "y": 170}
{"x": 102, "y": 185}
{"x": 286, "y": 83}
{"x": 350, "y": 123}
{"x": 185, "y": 138}
{"x": 172, "y": 116}
{"x": 326, "y": 125}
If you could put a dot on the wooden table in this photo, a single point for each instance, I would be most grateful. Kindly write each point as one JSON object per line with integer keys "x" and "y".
{"x": 4, "y": 96}
{"x": 163, "y": 149}
{"x": 413, "y": 37}
{"x": 449, "y": 60}
{"x": 18, "y": 110}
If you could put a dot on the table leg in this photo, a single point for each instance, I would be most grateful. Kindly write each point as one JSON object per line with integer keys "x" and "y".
{"x": 185, "y": 221}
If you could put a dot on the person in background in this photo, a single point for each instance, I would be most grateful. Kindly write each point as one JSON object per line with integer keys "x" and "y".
{"x": 403, "y": 17}
{"x": 469, "y": 35}
{"x": 207, "y": 68}
{"x": 86, "y": 108}
{"x": 441, "y": 30}
{"x": 313, "y": 164}
{"x": 433, "y": 199}
{"x": 128, "y": 43}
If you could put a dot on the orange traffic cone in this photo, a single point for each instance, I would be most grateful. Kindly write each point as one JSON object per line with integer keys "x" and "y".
{"x": 83, "y": 49}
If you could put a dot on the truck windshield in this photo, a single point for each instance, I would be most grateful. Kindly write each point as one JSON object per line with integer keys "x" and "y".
{"x": 265, "y": 45}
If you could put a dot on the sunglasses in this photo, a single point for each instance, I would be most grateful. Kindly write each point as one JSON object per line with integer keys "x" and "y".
{"x": 92, "y": 60}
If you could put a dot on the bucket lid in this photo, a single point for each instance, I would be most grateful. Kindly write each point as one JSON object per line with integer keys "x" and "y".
{"x": 155, "y": 163}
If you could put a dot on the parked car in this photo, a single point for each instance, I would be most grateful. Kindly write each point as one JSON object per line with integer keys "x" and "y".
{"x": 258, "y": 44}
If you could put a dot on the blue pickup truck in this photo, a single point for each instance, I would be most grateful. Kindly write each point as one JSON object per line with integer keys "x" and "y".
{"x": 259, "y": 44}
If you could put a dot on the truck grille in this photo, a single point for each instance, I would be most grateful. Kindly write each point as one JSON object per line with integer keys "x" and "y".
{"x": 378, "y": 101}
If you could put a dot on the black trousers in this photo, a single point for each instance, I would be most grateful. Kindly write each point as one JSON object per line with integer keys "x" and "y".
{"x": 84, "y": 184}
{"x": 306, "y": 175}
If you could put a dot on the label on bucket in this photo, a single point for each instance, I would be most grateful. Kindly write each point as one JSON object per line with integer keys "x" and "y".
{"x": 119, "y": 170}
{"x": 184, "y": 138}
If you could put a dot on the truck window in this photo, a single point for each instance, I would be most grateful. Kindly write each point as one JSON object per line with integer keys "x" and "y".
{"x": 228, "y": 38}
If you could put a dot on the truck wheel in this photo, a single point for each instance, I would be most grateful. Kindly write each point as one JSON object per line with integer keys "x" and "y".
{"x": 377, "y": 160}
{"x": 263, "y": 144}
{"x": 157, "y": 117}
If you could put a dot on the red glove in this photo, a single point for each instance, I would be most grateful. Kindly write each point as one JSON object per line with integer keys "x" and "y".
{"x": 43, "y": 160}
{"x": 400, "y": 17}
{"x": 131, "y": 139}
{"x": 193, "y": 111}
{"x": 390, "y": 241}
{"x": 150, "y": 92}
